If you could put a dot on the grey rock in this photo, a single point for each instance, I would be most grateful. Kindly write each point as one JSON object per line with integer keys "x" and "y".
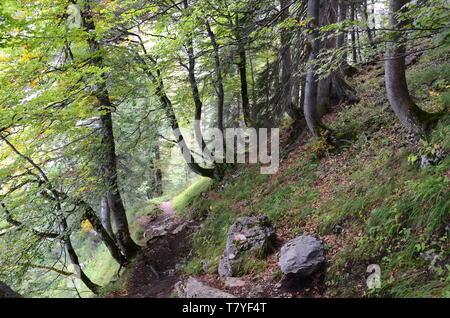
{"x": 256, "y": 292}
{"x": 247, "y": 233}
{"x": 431, "y": 159}
{"x": 224, "y": 269}
{"x": 180, "y": 228}
{"x": 302, "y": 256}
{"x": 233, "y": 282}
{"x": 193, "y": 288}
{"x": 205, "y": 265}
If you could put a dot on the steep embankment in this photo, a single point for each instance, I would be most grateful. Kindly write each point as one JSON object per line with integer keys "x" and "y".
{"x": 368, "y": 199}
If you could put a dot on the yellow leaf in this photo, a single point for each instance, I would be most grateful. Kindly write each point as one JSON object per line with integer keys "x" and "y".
{"x": 433, "y": 93}
{"x": 86, "y": 226}
{"x": 34, "y": 83}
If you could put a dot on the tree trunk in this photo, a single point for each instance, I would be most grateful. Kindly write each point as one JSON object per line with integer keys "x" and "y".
{"x": 194, "y": 89}
{"x": 285, "y": 100}
{"x": 411, "y": 116}
{"x": 158, "y": 190}
{"x": 109, "y": 169}
{"x": 342, "y": 37}
{"x": 368, "y": 29}
{"x": 358, "y": 42}
{"x": 105, "y": 216}
{"x": 374, "y": 23}
{"x": 242, "y": 67}
{"x": 333, "y": 89}
{"x": 108, "y": 151}
{"x": 353, "y": 35}
{"x": 170, "y": 114}
{"x": 109, "y": 242}
{"x": 195, "y": 95}
{"x": 219, "y": 80}
{"x": 310, "y": 109}
{"x": 7, "y": 292}
{"x": 73, "y": 257}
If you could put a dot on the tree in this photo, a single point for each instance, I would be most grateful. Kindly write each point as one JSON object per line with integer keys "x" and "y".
{"x": 108, "y": 149}
{"x": 311, "y": 112}
{"x": 412, "y": 117}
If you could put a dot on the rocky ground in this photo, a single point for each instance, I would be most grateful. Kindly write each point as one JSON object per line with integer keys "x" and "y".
{"x": 157, "y": 273}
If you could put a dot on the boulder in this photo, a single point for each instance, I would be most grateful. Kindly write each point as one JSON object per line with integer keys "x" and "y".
{"x": 246, "y": 234}
{"x": 301, "y": 256}
{"x": 193, "y": 288}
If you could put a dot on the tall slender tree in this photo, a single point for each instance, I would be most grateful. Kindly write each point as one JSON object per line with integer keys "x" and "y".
{"x": 108, "y": 148}
{"x": 311, "y": 111}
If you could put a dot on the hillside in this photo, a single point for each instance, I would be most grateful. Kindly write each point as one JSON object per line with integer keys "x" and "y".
{"x": 224, "y": 149}
{"x": 368, "y": 199}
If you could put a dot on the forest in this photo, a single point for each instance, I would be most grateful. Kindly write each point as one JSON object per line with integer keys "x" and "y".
{"x": 224, "y": 148}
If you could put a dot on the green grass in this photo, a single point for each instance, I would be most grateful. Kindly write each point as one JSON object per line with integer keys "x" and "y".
{"x": 146, "y": 208}
{"x": 181, "y": 201}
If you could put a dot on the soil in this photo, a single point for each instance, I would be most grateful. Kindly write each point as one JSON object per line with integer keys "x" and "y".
{"x": 153, "y": 275}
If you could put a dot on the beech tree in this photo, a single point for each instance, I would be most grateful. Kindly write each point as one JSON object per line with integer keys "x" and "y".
{"x": 412, "y": 117}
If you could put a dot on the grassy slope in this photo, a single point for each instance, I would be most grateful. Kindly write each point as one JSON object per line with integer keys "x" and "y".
{"x": 389, "y": 208}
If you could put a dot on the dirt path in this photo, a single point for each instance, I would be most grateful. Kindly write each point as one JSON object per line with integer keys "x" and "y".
{"x": 168, "y": 248}
{"x": 167, "y": 207}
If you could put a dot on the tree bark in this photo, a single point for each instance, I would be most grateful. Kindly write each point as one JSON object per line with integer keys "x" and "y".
{"x": 194, "y": 89}
{"x": 374, "y": 23}
{"x": 365, "y": 11}
{"x": 310, "y": 109}
{"x": 219, "y": 80}
{"x": 73, "y": 257}
{"x": 170, "y": 114}
{"x": 353, "y": 35}
{"x": 7, "y": 292}
{"x": 242, "y": 67}
{"x": 342, "y": 37}
{"x": 158, "y": 190}
{"x": 107, "y": 239}
{"x": 286, "y": 62}
{"x": 411, "y": 116}
{"x": 105, "y": 216}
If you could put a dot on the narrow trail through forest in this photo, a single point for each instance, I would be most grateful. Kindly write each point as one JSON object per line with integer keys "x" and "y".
{"x": 167, "y": 249}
